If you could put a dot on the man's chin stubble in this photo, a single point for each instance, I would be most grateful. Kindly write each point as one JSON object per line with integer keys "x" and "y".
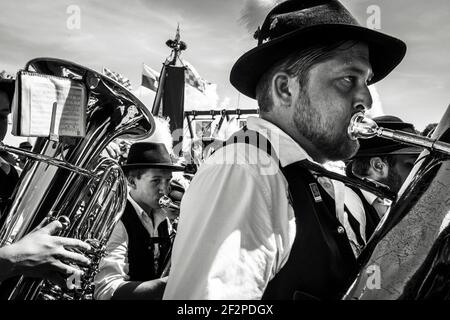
{"x": 340, "y": 150}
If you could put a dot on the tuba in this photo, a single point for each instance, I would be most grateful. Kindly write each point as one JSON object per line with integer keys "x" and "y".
{"x": 68, "y": 180}
{"x": 408, "y": 256}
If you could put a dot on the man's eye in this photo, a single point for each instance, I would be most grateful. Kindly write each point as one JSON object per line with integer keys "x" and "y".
{"x": 348, "y": 82}
{"x": 349, "y": 79}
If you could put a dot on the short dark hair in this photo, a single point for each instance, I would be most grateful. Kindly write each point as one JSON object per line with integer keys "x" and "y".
{"x": 135, "y": 173}
{"x": 296, "y": 64}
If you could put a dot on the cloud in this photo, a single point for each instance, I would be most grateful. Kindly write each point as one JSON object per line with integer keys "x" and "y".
{"x": 196, "y": 100}
{"x": 225, "y": 104}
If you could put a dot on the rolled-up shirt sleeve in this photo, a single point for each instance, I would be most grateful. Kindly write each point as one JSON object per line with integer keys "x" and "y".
{"x": 113, "y": 268}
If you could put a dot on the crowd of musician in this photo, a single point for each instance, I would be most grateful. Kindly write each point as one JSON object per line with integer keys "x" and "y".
{"x": 256, "y": 222}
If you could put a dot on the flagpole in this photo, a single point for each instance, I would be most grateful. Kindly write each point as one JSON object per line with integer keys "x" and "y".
{"x": 238, "y": 100}
{"x": 159, "y": 91}
{"x": 177, "y": 46}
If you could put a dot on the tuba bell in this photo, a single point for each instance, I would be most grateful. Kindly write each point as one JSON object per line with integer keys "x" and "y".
{"x": 68, "y": 180}
{"x": 408, "y": 255}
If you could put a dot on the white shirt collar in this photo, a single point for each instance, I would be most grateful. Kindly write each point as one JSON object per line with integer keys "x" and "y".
{"x": 158, "y": 216}
{"x": 136, "y": 206}
{"x": 370, "y": 197}
{"x": 287, "y": 150}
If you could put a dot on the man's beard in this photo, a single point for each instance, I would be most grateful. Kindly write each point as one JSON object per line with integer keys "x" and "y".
{"x": 393, "y": 180}
{"x": 311, "y": 125}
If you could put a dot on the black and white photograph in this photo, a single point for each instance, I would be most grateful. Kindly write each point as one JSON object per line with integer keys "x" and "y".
{"x": 243, "y": 152}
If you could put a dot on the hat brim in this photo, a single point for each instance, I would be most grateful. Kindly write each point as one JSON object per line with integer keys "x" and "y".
{"x": 385, "y": 52}
{"x": 388, "y": 151}
{"x": 170, "y": 167}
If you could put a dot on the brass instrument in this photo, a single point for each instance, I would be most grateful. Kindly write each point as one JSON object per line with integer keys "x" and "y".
{"x": 69, "y": 181}
{"x": 166, "y": 202}
{"x": 378, "y": 189}
{"x": 408, "y": 255}
{"x": 365, "y": 128}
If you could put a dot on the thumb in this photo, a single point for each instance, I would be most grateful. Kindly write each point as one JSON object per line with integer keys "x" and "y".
{"x": 52, "y": 228}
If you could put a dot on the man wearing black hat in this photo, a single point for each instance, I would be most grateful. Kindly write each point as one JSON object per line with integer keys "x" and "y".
{"x": 383, "y": 161}
{"x": 255, "y": 222}
{"x": 140, "y": 243}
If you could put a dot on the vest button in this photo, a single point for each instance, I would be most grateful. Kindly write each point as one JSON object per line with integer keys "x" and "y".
{"x": 341, "y": 230}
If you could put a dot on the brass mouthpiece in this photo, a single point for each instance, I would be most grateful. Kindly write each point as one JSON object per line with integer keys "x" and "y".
{"x": 361, "y": 127}
{"x": 166, "y": 202}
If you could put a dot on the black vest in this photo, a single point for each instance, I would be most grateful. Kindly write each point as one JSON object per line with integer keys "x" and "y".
{"x": 321, "y": 264}
{"x": 141, "y": 247}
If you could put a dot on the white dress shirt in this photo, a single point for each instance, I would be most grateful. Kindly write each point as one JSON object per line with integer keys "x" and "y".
{"x": 114, "y": 266}
{"x": 236, "y": 225}
{"x": 346, "y": 197}
{"x": 380, "y": 204}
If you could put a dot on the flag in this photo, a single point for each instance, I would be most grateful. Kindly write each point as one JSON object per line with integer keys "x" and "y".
{"x": 193, "y": 79}
{"x": 173, "y": 97}
{"x": 150, "y": 78}
{"x": 125, "y": 82}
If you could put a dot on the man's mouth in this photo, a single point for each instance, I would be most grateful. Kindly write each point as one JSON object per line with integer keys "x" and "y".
{"x": 354, "y": 120}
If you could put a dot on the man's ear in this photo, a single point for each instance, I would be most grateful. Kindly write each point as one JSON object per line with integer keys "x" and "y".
{"x": 281, "y": 88}
{"x": 378, "y": 167}
{"x": 131, "y": 182}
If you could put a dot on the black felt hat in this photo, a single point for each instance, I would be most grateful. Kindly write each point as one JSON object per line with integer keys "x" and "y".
{"x": 149, "y": 155}
{"x": 295, "y": 24}
{"x": 379, "y": 146}
{"x": 25, "y": 145}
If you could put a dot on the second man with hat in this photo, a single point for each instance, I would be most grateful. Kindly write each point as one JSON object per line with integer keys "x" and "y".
{"x": 140, "y": 242}
{"x": 383, "y": 161}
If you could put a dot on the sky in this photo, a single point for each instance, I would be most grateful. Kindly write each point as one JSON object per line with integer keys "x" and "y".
{"x": 121, "y": 35}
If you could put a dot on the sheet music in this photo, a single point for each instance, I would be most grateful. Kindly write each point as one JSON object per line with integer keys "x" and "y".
{"x": 39, "y": 93}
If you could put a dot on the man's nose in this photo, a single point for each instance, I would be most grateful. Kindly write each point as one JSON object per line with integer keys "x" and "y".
{"x": 363, "y": 99}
